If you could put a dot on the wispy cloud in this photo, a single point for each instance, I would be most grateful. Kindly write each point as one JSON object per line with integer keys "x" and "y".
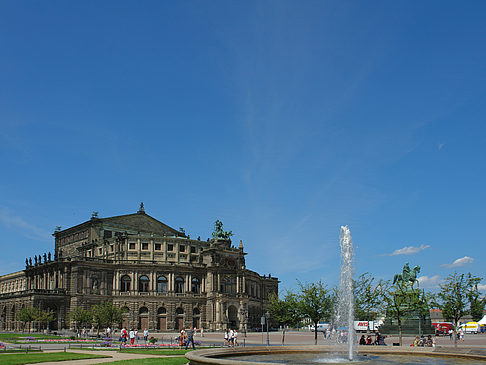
{"x": 408, "y": 250}
{"x": 429, "y": 282}
{"x": 440, "y": 146}
{"x": 460, "y": 262}
{"x": 11, "y": 220}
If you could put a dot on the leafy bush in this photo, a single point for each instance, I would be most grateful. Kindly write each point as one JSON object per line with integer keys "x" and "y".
{"x": 153, "y": 340}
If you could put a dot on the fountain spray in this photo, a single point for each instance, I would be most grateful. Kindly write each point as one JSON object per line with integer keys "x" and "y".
{"x": 346, "y": 288}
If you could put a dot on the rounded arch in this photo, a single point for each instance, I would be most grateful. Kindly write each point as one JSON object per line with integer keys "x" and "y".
{"x": 143, "y": 284}
{"x": 233, "y": 317}
{"x": 143, "y": 318}
{"x": 179, "y": 284}
{"x": 180, "y": 317}
{"x": 196, "y": 318}
{"x": 161, "y": 284}
{"x": 125, "y": 282}
{"x": 195, "y": 285}
{"x": 161, "y": 318}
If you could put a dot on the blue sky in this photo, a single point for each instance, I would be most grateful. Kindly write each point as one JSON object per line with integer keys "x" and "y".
{"x": 283, "y": 119}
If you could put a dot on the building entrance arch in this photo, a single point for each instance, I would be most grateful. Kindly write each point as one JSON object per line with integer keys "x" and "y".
{"x": 233, "y": 317}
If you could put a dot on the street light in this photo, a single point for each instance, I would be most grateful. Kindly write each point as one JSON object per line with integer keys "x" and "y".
{"x": 267, "y": 317}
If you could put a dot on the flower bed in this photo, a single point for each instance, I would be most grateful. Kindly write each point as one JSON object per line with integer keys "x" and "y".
{"x": 56, "y": 340}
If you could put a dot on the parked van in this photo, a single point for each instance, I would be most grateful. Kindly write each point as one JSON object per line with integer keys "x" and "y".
{"x": 321, "y": 327}
{"x": 471, "y": 327}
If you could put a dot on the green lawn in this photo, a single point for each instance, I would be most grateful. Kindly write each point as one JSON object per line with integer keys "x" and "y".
{"x": 32, "y": 358}
{"x": 164, "y": 361}
{"x": 150, "y": 351}
{"x": 12, "y": 337}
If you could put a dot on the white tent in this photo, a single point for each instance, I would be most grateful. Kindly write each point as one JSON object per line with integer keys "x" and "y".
{"x": 483, "y": 321}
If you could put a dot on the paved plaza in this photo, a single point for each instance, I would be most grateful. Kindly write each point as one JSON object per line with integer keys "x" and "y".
{"x": 253, "y": 339}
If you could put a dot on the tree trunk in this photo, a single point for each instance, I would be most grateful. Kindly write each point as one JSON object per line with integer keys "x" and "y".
{"x": 283, "y": 336}
{"x": 315, "y": 333}
{"x": 400, "y": 332}
{"x": 455, "y": 332}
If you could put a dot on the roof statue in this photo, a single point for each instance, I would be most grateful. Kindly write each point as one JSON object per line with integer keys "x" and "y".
{"x": 141, "y": 210}
{"x": 407, "y": 275}
{"x": 219, "y": 233}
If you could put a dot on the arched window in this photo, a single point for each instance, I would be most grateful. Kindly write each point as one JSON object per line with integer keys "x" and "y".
{"x": 125, "y": 283}
{"x": 196, "y": 312}
{"x": 143, "y": 310}
{"x": 161, "y": 311}
{"x": 143, "y": 284}
{"x": 161, "y": 284}
{"x": 179, "y": 285}
{"x": 195, "y": 286}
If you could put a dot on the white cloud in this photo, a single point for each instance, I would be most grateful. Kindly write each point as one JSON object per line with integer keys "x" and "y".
{"x": 460, "y": 262}
{"x": 482, "y": 287}
{"x": 409, "y": 250}
{"x": 429, "y": 282}
{"x": 10, "y": 220}
{"x": 441, "y": 145}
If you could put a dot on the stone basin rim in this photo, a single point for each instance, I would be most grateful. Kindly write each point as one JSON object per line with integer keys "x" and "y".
{"x": 217, "y": 355}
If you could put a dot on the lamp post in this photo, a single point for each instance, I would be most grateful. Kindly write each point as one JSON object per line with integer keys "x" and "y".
{"x": 267, "y": 317}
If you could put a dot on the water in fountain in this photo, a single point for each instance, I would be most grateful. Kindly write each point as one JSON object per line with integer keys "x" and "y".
{"x": 345, "y": 307}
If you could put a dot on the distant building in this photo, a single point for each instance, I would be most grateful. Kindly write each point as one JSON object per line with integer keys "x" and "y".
{"x": 163, "y": 278}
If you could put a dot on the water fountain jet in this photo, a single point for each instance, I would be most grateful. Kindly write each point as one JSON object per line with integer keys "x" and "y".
{"x": 345, "y": 308}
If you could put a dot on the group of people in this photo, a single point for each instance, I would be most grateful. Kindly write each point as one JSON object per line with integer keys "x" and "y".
{"x": 133, "y": 336}
{"x": 186, "y": 337}
{"x": 230, "y": 338}
{"x": 378, "y": 341}
{"x": 424, "y": 342}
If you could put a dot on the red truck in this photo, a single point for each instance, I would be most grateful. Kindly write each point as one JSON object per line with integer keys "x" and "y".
{"x": 442, "y": 328}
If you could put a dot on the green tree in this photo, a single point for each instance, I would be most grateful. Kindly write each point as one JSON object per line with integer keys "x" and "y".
{"x": 80, "y": 316}
{"x": 476, "y": 303}
{"x": 314, "y": 302}
{"x": 369, "y": 297}
{"x": 25, "y": 315}
{"x": 42, "y": 317}
{"x": 402, "y": 299}
{"x": 455, "y": 297}
{"x": 106, "y": 313}
{"x": 285, "y": 311}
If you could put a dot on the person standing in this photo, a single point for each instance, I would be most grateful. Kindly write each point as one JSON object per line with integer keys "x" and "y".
{"x": 235, "y": 338}
{"x": 190, "y": 337}
{"x": 132, "y": 336}
{"x": 145, "y": 335}
{"x": 182, "y": 337}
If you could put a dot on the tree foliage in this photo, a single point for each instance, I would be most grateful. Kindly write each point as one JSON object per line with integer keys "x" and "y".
{"x": 402, "y": 299}
{"x": 285, "y": 311}
{"x": 80, "y": 316}
{"x": 455, "y": 296}
{"x": 314, "y": 302}
{"x": 106, "y": 313}
{"x": 370, "y": 297}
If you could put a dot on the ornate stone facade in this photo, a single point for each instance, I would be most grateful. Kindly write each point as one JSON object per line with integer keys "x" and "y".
{"x": 166, "y": 279}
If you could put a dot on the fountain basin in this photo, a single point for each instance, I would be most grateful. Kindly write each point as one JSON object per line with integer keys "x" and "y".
{"x": 262, "y": 355}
